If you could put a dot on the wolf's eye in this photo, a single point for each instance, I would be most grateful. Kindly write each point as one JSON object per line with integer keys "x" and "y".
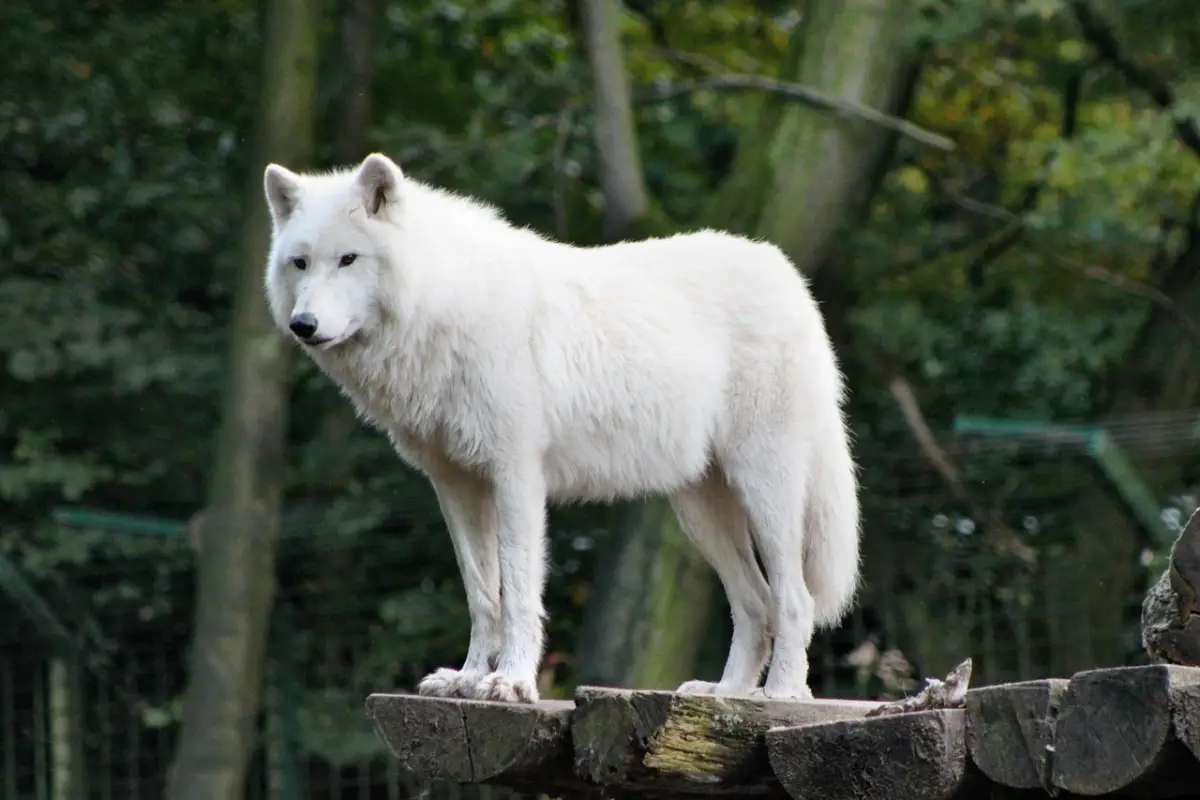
{"x": 347, "y": 259}
{"x": 299, "y": 263}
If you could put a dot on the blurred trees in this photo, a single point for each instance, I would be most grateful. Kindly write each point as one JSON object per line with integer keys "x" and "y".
{"x": 1042, "y": 269}
{"x": 237, "y": 532}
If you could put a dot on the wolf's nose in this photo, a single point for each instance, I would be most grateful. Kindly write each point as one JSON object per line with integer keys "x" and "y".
{"x": 303, "y": 325}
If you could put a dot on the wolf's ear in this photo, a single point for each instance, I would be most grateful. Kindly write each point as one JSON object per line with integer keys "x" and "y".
{"x": 379, "y": 179}
{"x": 282, "y": 187}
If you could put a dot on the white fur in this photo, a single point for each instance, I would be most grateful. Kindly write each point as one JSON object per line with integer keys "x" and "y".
{"x": 513, "y": 370}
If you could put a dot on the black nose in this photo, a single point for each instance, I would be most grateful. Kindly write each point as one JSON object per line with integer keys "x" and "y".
{"x": 303, "y": 325}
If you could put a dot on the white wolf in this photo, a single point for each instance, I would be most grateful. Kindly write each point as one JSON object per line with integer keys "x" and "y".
{"x": 513, "y": 370}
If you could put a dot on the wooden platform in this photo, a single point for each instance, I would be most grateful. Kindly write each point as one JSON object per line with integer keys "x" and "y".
{"x": 1132, "y": 732}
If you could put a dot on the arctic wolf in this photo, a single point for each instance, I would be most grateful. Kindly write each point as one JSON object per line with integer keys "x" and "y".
{"x": 515, "y": 371}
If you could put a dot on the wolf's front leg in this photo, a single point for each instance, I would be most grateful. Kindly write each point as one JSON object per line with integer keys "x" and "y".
{"x": 521, "y": 509}
{"x": 468, "y": 506}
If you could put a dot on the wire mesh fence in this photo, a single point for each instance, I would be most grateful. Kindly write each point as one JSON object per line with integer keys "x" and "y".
{"x": 1034, "y": 566}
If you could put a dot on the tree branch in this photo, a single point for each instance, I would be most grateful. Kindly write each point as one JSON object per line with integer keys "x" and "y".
{"x": 1014, "y": 221}
{"x": 1096, "y": 273}
{"x": 906, "y": 401}
{"x": 1101, "y": 35}
{"x": 803, "y": 94}
{"x": 1004, "y": 537}
{"x": 1135, "y": 288}
{"x": 995, "y": 247}
{"x": 1193, "y": 222}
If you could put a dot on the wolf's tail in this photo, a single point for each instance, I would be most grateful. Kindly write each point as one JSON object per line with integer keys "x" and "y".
{"x": 831, "y": 541}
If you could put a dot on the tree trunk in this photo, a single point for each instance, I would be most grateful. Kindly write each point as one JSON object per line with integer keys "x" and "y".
{"x": 643, "y": 626}
{"x": 650, "y": 605}
{"x": 359, "y": 23}
{"x": 616, "y": 140}
{"x": 800, "y": 178}
{"x": 239, "y": 529}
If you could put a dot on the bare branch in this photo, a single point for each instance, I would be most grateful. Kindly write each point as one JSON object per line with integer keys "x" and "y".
{"x": 902, "y": 392}
{"x": 1132, "y": 287}
{"x": 995, "y": 247}
{"x": 1002, "y": 536}
{"x": 803, "y": 94}
{"x": 1120, "y": 282}
{"x": 984, "y": 209}
{"x": 1193, "y": 224}
{"x": 699, "y": 61}
{"x": 1014, "y": 221}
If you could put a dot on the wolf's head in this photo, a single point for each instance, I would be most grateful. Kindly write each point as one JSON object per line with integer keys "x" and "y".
{"x": 328, "y": 258}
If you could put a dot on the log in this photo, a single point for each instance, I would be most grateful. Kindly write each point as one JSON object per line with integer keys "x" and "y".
{"x": 1186, "y": 718}
{"x": 476, "y": 741}
{"x": 661, "y": 743}
{"x": 1010, "y": 731}
{"x": 1170, "y": 618}
{"x": 1132, "y": 732}
{"x": 1116, "y": 732}
{"x": 914, "y": 756}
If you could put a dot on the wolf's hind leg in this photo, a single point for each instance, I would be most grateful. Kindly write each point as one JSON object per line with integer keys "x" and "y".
{"x": 468, "y": 507}
{"x": 712, "y": 517}
{"x": 772, "y": 483}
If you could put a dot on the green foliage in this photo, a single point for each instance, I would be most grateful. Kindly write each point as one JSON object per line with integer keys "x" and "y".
{"x": 943, "y": 300}
{"x": 110, "y": 309}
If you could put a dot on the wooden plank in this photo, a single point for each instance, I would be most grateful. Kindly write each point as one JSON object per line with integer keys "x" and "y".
{"x": 1119, "y": 732}
{"x": 477, "y": 741}
{"x": 647, "y": 741}
{"x": 1010, "y": 731}
{"x": 914, "y": 756}
{"x": 1185, "y": 717}
{"x": 1115, "y": 732}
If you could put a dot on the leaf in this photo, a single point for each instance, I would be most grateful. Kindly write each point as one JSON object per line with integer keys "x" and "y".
{"x": 913, "y": 179}
{"x": 1071, "y": 50}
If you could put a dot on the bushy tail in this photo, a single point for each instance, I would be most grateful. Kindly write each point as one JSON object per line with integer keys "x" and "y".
{"x": 831, "y": 541}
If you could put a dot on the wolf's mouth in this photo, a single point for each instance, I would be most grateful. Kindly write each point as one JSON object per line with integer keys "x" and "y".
{"x": 316, "y": 342}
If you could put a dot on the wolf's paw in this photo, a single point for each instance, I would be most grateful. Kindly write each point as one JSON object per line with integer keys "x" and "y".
{"x": 447, "y": 682}
{"x": 793, "y": 693}
{"x": 506, "y": 689}
{"x": 719, "y": 689}
{"x": 697, "y": 687}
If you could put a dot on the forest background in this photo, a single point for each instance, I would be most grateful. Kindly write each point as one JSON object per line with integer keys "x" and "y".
{"x": 997, "y": 203}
